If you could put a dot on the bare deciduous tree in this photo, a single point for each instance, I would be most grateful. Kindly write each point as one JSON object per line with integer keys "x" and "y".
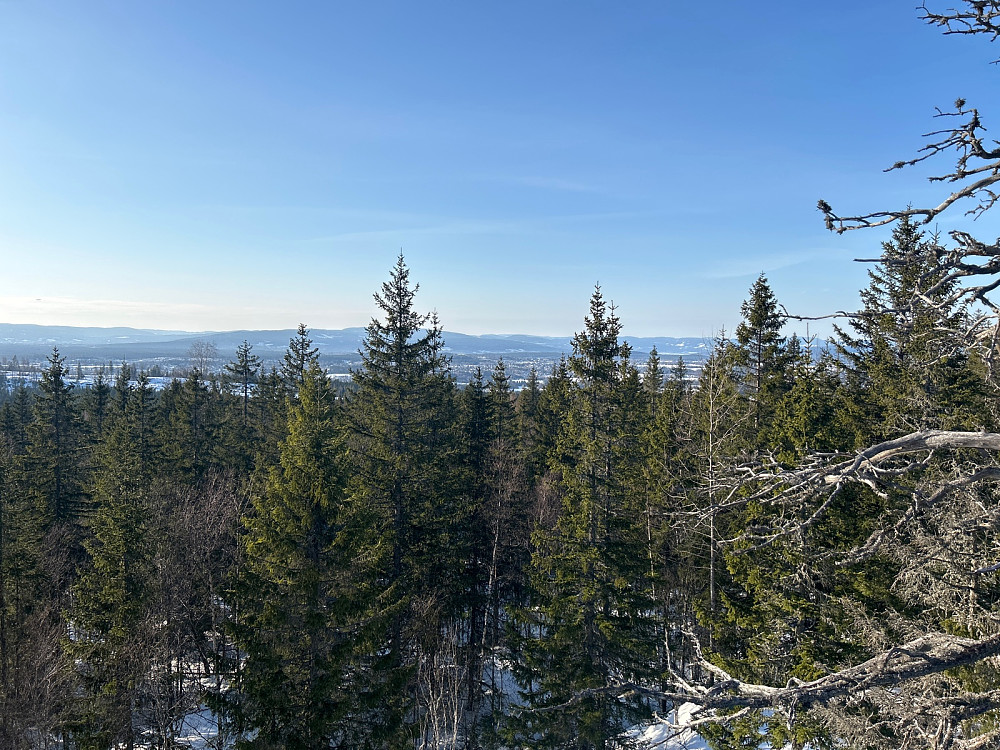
{"x": 203, "y": 355}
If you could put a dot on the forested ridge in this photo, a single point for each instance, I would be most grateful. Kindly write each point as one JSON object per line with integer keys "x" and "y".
{"x": 796, "y": 546}
{"x": 408, "y": 563}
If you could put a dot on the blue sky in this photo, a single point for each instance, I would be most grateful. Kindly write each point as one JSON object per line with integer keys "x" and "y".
{"x": 210, "y": 166}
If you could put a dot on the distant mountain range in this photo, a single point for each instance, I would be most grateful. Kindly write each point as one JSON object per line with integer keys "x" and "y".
{"x": 132, "y": 343}
{"x": 338, "y": 348}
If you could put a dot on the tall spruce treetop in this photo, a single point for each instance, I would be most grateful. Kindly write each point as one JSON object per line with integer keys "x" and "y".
{"x": 53, "y": 445}
{"x": 908, "y": 264}
{"x": 652, "y": 376}
{"x": 96, "y": 404}
{"x": 590, "y": 587}
{"x": 402, "y": 345}
{"x": 299, "y": 356}
{"x": 242, "y": 372}
{"x": 761, "y": 350}
{"x": 399, "y": 387}
{"x": 903, "y": 373}
{"x": 405, "y": 480}
{"x": 596, "y": 349}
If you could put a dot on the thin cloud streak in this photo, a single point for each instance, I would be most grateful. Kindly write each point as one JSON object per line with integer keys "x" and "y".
{"x": 554, "y": 183}
{"x": 459, "y": 227}
{"x": 15, "y": 305}
{"x": 108, "y": 312}
{"x": 732, "y": 268}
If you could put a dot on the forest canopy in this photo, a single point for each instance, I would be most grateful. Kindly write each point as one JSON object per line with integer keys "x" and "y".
{"x": 795, "y": 545}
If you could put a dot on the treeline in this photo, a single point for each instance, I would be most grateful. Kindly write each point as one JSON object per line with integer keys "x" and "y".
{"x": 407, "y": 563}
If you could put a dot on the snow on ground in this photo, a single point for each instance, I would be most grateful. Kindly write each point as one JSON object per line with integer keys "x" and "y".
{"x": 198, "y": 730}
{"x": 665, "y": 736}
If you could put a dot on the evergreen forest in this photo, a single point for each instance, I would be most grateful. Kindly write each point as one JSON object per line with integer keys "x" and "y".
{"x": 795, "y": 545}
{"x": 269, "y": 561}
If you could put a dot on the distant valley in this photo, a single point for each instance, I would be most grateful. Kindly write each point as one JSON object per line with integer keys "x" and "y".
{"x": 171, "y": 351}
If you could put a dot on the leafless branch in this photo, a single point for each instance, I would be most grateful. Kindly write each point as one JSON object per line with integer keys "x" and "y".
{"x": 981, "y": 17}
{"x": 929, "y": 654}
{"x": 805, "y": 492}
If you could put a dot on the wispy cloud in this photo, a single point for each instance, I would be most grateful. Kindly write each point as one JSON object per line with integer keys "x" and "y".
{"x": 729, "y": 268}
{"x": 439, "y": 226}
{"x": 449, "y": 228}
{"x": 180, "y": 316}
{"x": 556, "y": 183}
{"x": 106, "y": 312}
{"x": 72, "y": 305}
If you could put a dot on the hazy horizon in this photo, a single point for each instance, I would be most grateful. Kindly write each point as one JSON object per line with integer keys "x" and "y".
{"x": 253, "y": 165}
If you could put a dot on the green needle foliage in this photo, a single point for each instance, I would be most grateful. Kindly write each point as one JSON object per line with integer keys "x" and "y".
{"x": 297, "y": 597}
{"x": 110, "y": 618}
{"x": 406, "y": 490}
{"x": 589, "y": 623}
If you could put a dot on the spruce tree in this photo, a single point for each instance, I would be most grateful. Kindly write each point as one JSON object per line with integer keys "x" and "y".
{"x": 901, "y": 374}
{"x": 53, "y": 459}
{"x": 25, "y": 706}
{"x": 299, "y": 357}
{"x": 96, "y": 404}
{"x": 527, "y": 412}
{"x": 589, "y": 624}
{"x": 506, "y": 549}
{"x": 509, "y": 522}
{"x": 666, "y": 478}
{"x": 270, "y": 410}
{"x": 652, "y": 376}
{"x": 553, "y": 404}
{"x": 15, "y": 415}
{"x": 241, "y": 430}
{"x": 110, "y": 610}
{"x": 760, "y": 355}
{"x": 804, "y": 418}
{"x": 403, "y": 453}
{"x": 297, "y": 593}
{"x": 476, "y": 440}
{"x": 241, "y": 373}
{"x": 188, "y": 423}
